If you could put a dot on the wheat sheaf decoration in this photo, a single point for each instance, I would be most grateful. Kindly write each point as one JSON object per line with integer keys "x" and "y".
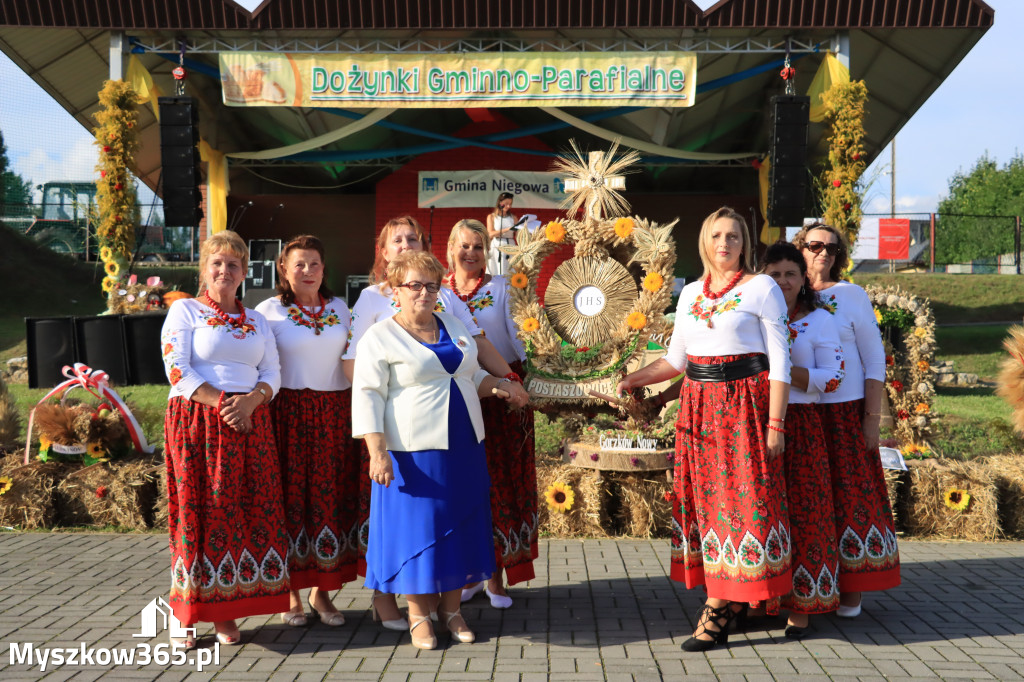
{"x": 571, "y": 282}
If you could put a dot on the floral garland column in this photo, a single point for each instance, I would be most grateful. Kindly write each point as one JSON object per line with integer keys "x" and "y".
{"x": 115, "y": 190}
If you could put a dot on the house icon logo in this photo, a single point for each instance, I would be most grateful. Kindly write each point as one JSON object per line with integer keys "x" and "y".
{"x": 156, "y": 616}
{"x": 429, "y": 184}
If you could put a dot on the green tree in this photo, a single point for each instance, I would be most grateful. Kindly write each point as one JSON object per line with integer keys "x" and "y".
{"x": 987, "y": 190}
{"x": 14, "y": 189}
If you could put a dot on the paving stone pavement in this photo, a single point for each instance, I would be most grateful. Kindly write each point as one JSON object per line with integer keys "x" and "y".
{"x": 598, "y": 610}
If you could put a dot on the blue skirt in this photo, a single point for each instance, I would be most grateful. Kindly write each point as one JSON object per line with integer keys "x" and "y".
{"x": 430, "y": 531}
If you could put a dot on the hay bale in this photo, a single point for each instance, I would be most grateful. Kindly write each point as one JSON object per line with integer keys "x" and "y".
{"x": 1009, "y": 474}
{"x": 926, "y": 512}
{"x": 643, "y": 511}
{"x": 30, "y": 501}
{"x": 894, "y": 481}
{"x": 120, "y": 493}
{"x": 160, "y": 508}
{"x": 589, "y": 514}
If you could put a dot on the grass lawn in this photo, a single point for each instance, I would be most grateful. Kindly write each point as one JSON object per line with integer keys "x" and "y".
{"x": 957, "y": 299}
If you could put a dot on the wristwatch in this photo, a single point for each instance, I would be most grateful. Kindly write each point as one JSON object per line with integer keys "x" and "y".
{"x": 263, "y": 392}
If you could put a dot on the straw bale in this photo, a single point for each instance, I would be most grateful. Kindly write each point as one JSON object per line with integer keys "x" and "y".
{"x": 926, "y": 512}
{"x": 121, "y": 493}
{"x": 894, "y": 484}
{"x": 160, "y": 508}
{"x": 588, "y": 516}
{"x": 643, "y": 511}
{"x": 1009, "y": 474}
{"x": 30, "y": 501}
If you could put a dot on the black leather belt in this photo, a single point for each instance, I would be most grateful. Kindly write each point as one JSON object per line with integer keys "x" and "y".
{"x": 728, "y": 371}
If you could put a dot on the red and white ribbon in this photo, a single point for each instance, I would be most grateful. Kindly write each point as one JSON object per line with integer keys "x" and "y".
{"x": 95, "y": 382}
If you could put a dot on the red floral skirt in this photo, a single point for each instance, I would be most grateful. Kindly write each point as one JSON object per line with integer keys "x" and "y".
{"x": 320, "y": 476}
{"x": 512, "y": 465}
{"x": 730, "y": 526}
{"x": 868, "y": 556}
{"x": 809, "y": 493}
{"x": 229, "y": 546}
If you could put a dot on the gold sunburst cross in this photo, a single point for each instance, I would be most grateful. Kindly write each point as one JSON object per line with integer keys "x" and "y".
{"x": 596, "y": 181}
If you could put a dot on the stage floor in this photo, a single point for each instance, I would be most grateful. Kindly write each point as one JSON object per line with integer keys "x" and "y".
{"x": 598, "y": 610}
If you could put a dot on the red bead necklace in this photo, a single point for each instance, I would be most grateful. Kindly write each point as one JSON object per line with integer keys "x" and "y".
{"x": 315, "y": 318}
{"x": 713, "y": 295}
{"x": 465, "y": 298}
{"x": 228, "y": 320}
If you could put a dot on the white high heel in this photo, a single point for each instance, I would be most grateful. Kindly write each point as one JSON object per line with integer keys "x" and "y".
{"x": 398, "y": 624}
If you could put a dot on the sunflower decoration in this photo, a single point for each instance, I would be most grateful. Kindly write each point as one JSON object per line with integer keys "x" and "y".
{"x": 6, "y": 482}
{"x": 560, "y": 497}
{"x": 609, "y": 297}
{"x": 957, "y": 500}
{"x": 112, "y": 269}
{"x": 519, "y": 280}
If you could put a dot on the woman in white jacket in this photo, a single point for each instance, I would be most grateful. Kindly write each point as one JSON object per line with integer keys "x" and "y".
{"x": 415, "y": 401}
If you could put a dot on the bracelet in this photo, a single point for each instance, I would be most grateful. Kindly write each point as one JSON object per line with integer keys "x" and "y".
{"x": 512, "y": 376}
{"x": 777, "y": 419}
{"x": 776, "y": 428}
{"x": 219, "y": 401}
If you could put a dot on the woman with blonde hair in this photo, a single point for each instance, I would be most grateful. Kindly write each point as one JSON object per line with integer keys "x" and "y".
{"x": 312, "y": 419}
{"x": 510, "y": 439}
{"x": 229, "y": 546}
{"x": 416, "y": 403}
{"x": 869, "y": 558}
{"x": 730, "y": 520}
{"x": 379, "y": 302}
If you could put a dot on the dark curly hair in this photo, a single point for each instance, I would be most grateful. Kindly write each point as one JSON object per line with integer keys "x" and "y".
{"x": 780, "y": 251}
{"x": 306, "y": 242}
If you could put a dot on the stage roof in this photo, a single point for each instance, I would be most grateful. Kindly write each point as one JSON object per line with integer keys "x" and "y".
{"x": 903, "y": 49}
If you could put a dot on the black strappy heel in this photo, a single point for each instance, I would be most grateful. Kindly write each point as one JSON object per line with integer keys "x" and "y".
{"x": 722, "y": 617}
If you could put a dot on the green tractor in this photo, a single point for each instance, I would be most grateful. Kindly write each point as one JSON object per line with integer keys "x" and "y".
{"x": 65, "y": 224}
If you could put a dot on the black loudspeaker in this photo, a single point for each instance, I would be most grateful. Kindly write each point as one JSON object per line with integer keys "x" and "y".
{"x": 788, "y": 175}
{"x": 142, "y": 342}
{"x": 51, "y": 346}
{"x": 179, "y": 159}
{"x": 100, "y": 344}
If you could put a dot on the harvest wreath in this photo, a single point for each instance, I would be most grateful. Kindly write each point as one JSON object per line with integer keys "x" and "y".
{"x": 595, "y": 318}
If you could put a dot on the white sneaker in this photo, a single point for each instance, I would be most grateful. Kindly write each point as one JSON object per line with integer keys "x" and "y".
{"x": 470, "y": 592}
{"x": 498, "y": 601}
{"x": 848, "y": 611}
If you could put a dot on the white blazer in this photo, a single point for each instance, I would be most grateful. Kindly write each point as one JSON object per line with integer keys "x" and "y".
{"x": 401, "y": 389}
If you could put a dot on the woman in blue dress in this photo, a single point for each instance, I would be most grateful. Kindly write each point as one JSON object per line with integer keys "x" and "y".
{"x": 415, "y": 400}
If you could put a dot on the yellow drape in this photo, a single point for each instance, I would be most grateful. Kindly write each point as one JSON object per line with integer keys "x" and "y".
{"x": 217, "y": 188}
{"x": 769, "y": 234}
{"x": 829, "y": 73}
{"x": 141, "y": 81}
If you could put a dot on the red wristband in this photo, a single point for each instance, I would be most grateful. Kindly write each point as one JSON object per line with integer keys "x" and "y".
{"x": 219, "y": 401}
{"x": 776, "y": 428}
{"x": 512, "y": 376}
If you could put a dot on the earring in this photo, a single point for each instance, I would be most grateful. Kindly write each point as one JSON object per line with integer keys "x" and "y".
{"x": 803, "y": 290}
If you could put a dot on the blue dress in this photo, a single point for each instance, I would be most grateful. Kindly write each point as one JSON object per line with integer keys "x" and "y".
{"x": 430, "y": 531}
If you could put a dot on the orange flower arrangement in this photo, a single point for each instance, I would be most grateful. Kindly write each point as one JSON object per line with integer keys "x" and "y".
{"x": 922, "y": 408}
{"x": 519, "y": 280}
{"x": 653, "y": 281}
{"x": 636, "y": 320}
{"x": 923, "y": 365}
{"x": 624, "y": 227}
{"x": 555, "y": 232}
{"x": 531, "y": 324}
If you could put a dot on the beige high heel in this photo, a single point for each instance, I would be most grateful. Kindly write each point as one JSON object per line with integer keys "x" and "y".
{"x": 466, "y": 636}
{"x": 420, "y": 642}
{"x": 398, "y": 624}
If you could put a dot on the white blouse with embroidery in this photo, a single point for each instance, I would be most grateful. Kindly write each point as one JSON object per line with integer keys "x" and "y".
{"x": 859, "y": 336}
{"x": 814, "y": 345}
{"x": 309, "y": 360}
{"x": 198, "y": 347}
{"x": 750, "y": 318}
{"x": 375, "y": 305}
{"x": 490, "y": 308}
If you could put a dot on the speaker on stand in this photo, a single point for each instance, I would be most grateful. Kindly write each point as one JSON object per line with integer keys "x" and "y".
{"x": 787, "y": 154}
{"x": 100, "y": 344}
{"x": 51, "y": 346}
{"x": 142, "y": 343}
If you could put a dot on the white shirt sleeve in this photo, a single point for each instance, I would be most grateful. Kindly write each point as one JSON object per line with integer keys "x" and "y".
{"x": 676, "y": 355}
{"x": 869, "y": 337}
{"x": 176, "y": 345}
{"x": 457, "y": 307}
{"x": 270, "y": 366}
{"x": 364, "y": 315}
{"x": 370, "y": 388}
{"x": 827, "y": 373}
{"x": 775, "y": 334}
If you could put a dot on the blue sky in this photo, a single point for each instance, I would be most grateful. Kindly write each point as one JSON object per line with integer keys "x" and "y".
{"x": 978, "y": 109}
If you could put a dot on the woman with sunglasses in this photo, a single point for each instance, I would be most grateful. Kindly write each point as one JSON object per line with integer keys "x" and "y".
{"x": 416, "y": 402}
{"x": 868, "y": 556}
{"x": 731, "y": 526}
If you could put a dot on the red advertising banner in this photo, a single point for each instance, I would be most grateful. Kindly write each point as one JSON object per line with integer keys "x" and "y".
{"x": 894, "y": 238}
